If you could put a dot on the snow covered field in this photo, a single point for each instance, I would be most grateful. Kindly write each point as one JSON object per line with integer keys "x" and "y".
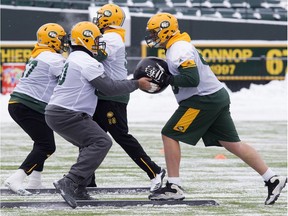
{"x": 260, "y": 114}
{"x": 259, "y": 103}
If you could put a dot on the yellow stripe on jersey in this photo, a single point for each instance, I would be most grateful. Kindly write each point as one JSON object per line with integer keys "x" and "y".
{"x": 188, "y": 64}
{"x": 186, "y": 120}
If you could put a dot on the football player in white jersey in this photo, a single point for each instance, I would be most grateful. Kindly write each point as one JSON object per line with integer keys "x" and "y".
{"x": 72, "y": 105}
{"x": 203, "y": 110}
{"x": 111, "y": 112}
{"x": 28, "y": 101}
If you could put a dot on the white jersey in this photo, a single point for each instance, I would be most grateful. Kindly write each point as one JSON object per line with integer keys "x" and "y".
{"x": 74, "y": 90}
{"x": 115, "y": 64}
{"x": 182, "y": 51}
{"x": 40, "y": 76}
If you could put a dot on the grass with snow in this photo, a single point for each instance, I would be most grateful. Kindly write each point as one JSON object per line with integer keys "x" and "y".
{"x": 237, "y": 188}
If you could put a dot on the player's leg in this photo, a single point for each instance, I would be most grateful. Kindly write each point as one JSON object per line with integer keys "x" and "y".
{"x": 112, "y": 116}
{"x": 251, "y": 157}
{"x": 94, "y": 144}
{"x": 33, "y": 123}
{"x": 186, "y": 125}
{"x": 172, "y": 152}
{"x": 44, "y": 147}
{"x": 248, "y": 154}
{"x": 223, "y": 129}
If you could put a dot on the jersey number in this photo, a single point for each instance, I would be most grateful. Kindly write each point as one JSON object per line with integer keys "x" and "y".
{"x": 62, "y": 77}
{"x": 29, "y": 68}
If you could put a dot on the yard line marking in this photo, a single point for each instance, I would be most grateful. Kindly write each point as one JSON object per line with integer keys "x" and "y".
{"x": 97, "y": 190}
{"x": 114, "y": 203}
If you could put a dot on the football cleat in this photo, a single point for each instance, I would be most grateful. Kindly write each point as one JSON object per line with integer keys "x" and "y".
{"x": 35, "y": 181}
{"x": 92, "y": 182}
{"x": 15, "y": 183}
{"x": 67, "y": 189}
{"x": 170, "y": 192}
{"x": 156, "y": 183}
{"x": 275, "y": 186}
{"x": 81, "y": 193}
{"x": 17, "y": 188}
{"x": 35, "y": 185}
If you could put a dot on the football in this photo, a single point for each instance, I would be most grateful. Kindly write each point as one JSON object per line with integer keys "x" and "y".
{"x": 155, "y": 68}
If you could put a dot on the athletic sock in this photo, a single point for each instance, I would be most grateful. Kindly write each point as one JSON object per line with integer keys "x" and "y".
{"x": 268, "y": 174}
{"x": 174, "y": 180}
{"x": 34, "y": 180}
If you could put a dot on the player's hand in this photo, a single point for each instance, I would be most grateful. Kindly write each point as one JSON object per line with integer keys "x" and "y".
{"x": 146, "y": 84}
{"x": 158, "y": 76}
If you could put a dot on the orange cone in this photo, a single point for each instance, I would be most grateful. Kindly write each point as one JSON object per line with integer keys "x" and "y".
{"x": 220, "y": 157}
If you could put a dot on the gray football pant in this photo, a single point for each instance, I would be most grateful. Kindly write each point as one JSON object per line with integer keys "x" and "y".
{"x": 80, "y": 130}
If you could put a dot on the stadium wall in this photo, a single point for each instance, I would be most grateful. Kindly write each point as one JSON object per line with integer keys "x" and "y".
{"x": 19, "y": 25}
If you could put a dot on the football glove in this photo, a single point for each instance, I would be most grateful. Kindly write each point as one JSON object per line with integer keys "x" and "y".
{"x": 154, "y": 87}
{"x": 158, "y": 75}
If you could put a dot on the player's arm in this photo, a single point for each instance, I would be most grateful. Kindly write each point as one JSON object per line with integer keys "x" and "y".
{"x": 108, "y": 86}
{"x": 188, "y": 77}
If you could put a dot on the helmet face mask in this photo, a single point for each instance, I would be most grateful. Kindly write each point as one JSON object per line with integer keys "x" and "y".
{"x": 152, "y": 38}
{"x": 160, "y": 28}
{"x": 54, "y": 36}
{"x": 99, "y": 45}
{"x": 88, "y": 35}
{"x": 109, "y": 15}
{"x": 64, "y": 43}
